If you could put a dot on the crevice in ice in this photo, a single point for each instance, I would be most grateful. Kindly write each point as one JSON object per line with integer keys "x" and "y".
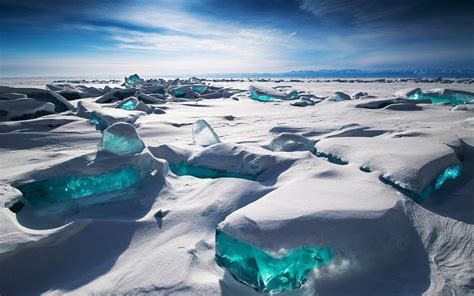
{"x": 332, "y": 158}
{"x": 266, "y": 272}
{"x": 365, "y": 169}
{"x": 447, "y": 175}
{"x": 64, "y": 188}
{"x": 206, "y": 173}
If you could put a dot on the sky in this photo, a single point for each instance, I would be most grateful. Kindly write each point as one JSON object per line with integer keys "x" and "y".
{"x": 116, "y": 37}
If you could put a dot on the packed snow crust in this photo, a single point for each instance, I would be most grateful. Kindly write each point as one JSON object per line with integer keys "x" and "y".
{"x": 270, "y": 180}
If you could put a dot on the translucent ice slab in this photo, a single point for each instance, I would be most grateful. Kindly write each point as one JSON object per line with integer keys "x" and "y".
{"x": 266, "y": 272}
{"x": 65, "y": 188}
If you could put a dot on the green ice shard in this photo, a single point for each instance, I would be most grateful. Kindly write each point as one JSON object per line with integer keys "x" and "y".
{"x": 120, "y": 145}
{"x": 450, "y": 173}
{"x": 203, "y": 172}
{"x": 65, "y": 188}
{"x": 130, "y": 105}
{"x": 266, "y": 272}
{"x": 199, "y": 88}
{"x": 263, "y": 98}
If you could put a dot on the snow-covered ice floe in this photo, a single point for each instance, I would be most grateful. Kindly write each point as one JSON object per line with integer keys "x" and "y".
{"x": 120, "y": 165}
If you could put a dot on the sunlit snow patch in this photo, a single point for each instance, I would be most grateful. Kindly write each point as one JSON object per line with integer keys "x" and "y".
{"x": 266, "y": 272}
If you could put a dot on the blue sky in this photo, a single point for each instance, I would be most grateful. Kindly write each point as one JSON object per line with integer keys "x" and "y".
{"x": 74, "y": 38}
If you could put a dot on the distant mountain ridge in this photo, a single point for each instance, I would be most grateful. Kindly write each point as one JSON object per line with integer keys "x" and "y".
{"x": 358, "y": 73}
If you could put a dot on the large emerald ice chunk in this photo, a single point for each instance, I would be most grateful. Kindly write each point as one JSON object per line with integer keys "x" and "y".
{"x": 65, "y": 188}
{"x": 264, "y": 271}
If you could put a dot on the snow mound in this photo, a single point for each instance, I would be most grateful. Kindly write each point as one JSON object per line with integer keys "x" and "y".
{"x": 20, "y": 109}
{"x": 399, "y": 160}
{"x": 60, "y": 103}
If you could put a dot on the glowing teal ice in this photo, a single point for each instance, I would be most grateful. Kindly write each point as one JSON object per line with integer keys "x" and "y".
{"x": 203, "y": 172}
{"x": 120, "y": 145}
{"x": 255, "y": 96}
{"x": 199, "y": 88}
{"x": 65, "y": 188}
{"x": 450, "y": 173}
{"x": 94, "y": 120}
{"x": 266, "y": 272}
{"x": 453, "y": 99}
{"x": 130, "y": 105}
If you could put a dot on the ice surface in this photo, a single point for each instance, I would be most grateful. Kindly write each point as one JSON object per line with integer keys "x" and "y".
{"x": 64, "y": 188}
{"x": 204, "y": 134}
{"x": 121, "y": 139}
{"x": 291, "y": 142}
{"x": 199, "y": 88}
{"x": 60, "y": 103}
{"x": 339, "y": 97}
{"x": 129, "y": 104}
{"x": 133, "y": 81}
{"x": 268, "y": 94}
{"x": 266, "y": 272}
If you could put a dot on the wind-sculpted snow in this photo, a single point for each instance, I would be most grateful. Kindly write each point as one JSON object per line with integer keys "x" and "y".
{"x": 138, "y": 213}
